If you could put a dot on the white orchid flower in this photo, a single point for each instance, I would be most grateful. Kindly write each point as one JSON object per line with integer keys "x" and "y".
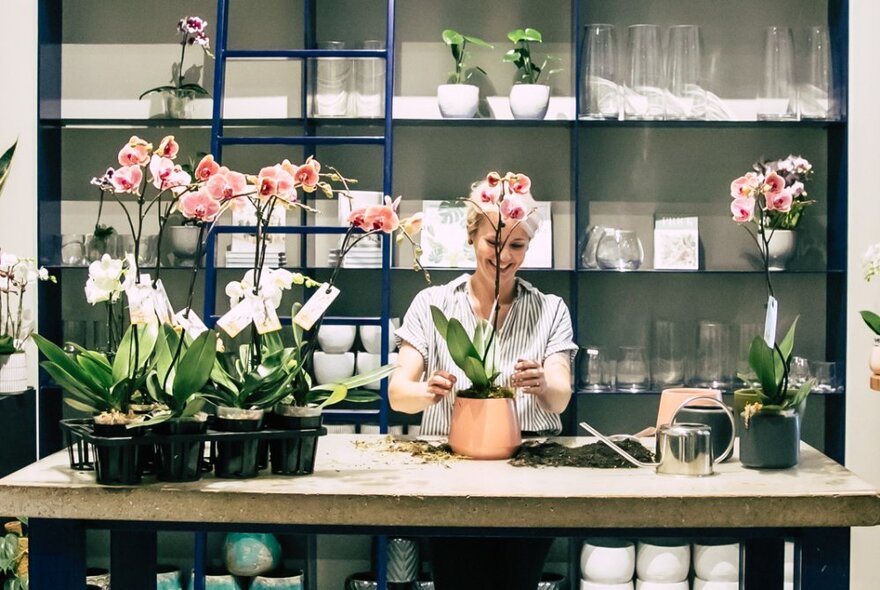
{"x": 94, "y": 294}
{"x": 8, "y": 259}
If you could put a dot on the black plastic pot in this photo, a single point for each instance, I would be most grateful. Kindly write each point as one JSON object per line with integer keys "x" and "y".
{"x": 117, "y": 462}
{"x": 295, "y": 456}
{"x": 237, "y": 459}
{"x": 181, "y": 460}
{"x": 771, "y": 441}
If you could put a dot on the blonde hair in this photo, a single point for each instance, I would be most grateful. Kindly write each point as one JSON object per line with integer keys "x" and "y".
{"x": 477, "y": 208}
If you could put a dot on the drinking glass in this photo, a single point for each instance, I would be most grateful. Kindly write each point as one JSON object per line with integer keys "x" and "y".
{"x": 816, "y": 99}
{"x": 600, "y": 98}
{"x": 73, "y": 249}
{"x": 799, "y": 371}
{"x": 632, "y": 369}
{"x": 331, "y": 75}
{"x": 686, "y": 98}
{"x": 594, "y": 235}
{"x": 777, "y": 99}
{"x": 369, "y": 74}
{"x": 592, "y": 369}
{"x": 825, "y": 373}
{"x": 643, "y": 95}
{"x": 620, "y": 250}
{"x": 667, "y": 354}
{"x": 713, "y": 356}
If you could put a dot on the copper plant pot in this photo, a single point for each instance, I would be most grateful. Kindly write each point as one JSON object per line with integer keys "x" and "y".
{"x": 485, "y": 428}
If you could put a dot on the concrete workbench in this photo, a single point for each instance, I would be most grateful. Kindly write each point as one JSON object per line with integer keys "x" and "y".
{"x": 357, "y": 484}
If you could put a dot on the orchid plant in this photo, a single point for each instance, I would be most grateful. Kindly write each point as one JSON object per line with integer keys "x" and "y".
{"x": 192, "y": 32}
{"x": 870, "y": 269}
{"x": 16, "y": 322}
{"x": 474, "y": 355}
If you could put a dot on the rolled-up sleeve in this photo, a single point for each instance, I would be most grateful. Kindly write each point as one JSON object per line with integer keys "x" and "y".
{"x": 561, "y": 334}
{"x": 417, "y": 324}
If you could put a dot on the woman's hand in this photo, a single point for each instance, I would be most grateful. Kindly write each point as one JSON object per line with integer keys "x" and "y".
{"x": 529, "y": 376}
{"x": 440, "y": 383}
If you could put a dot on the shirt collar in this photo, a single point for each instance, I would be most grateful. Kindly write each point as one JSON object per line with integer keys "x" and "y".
{"x": 459, "y": 284}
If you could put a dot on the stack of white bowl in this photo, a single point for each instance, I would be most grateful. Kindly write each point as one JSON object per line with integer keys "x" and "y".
{"x": 334, "y": 362}
{"x": 607, "y": 564}
{"x": 789, "y": 566}
{"x": 371, "y": 339}
{"x": 716, "y": 565}
{"x": 663, "y": 564}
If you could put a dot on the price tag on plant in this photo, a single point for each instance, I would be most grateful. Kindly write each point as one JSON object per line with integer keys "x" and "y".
{"x": 162, "y": 304}
{"x": 315, "y": 307}
{"x": 191, "y": 323}
{"x": 265, "y": 317}
{"x": 770, "y": 321}
{"x": 236, "y": 319}
{"x": 140, "y": 304}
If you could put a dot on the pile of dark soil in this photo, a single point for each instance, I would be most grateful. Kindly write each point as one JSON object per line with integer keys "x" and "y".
{"x": 551, "y": 454}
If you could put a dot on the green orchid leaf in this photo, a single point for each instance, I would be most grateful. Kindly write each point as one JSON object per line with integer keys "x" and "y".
{"x": 60, "y": 358}
{"x": 787, "y": 344}
{"x": 337, "y": 394}
{"x": 478, "y": 42}
{"x": 220, "y": 377}
{"x": 146, "y": 343}
{"x": 459, "y": 344}
{"x": 512, "y": 55}
{"x": 440, "y": 321}
{"x": 194, "y": 88}
{"x": 74, "y": 387}
{"x": 6, "y": 163}
{"x": 79, "y": 406}
{"x": 6, "y": 345}
{"x": 193, "y": 406}
{"x": 272, "y": 343}
{"x": 297, "y": 330}
{"x": 166, "y": 88}
{"x": 124, "y": 358}
{"x": 480, "y": 340}
{"x": 154, "y": 388}
{"x": 475, "y": 371}
{"x": 195, "y": 366}
{"x": 366, "y": 378}
{"x": 156, "y": 418}
{"x": 451, "y": 37}
{"x": 99, "y": 372}
{"x": 872, "y": 320}
{"x": 762, "y": 363}
{"x": 98, "y": 357}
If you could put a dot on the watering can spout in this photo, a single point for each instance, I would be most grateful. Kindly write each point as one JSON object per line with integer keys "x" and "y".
{"x": 614, "y": 446}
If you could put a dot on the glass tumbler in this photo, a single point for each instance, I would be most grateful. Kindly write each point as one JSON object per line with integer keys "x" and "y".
{"x": 825, "y": 374}
{"x": 592, "y": 369}
{"x": 594, "y": 235}
{"x": 667, "y": 354}
{"x": 632, "y": 369}
{"x": 73, "y": 249}
{"x": 686, "y": 98}
{"x": 600, "y": 90}
{"x": 777, "y": 99}
{"x": 369, "y": 75}
{"x": 643, "y": 94}
{"x": 331, "y": 83}
{"x": 620, "y": 250}
{"x": 712, "y": 366}
{"x": 816, "y": 97}
{"x": 798, "y": 371}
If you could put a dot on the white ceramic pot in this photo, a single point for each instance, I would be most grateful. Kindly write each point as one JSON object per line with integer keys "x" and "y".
{"x": 184, "y": 241}
{"x": 336, "y": 339}
{"x": 13, "y": 373}
{"x": 717, "y": 562}
{"x": 780, "y": 249}
{"x": 701, "y": 584}
{"x": 371, "y": 336}
{"x": 649, "y": 585}
{"x": 367, "y": 361}
{"x": 529, "y": 101}
{"x": 458, "y": 101}
{"x": 874, "y": 362}
{"x": 610, "y": 561}
{"x": 663, "y": 560}
{"x": 589, "y": 585}
{"x": 333, "y": 368}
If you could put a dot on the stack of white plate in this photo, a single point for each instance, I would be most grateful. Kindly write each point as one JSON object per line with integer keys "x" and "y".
{"x": 357, "y": 257}
{"x": 246, "y": 259}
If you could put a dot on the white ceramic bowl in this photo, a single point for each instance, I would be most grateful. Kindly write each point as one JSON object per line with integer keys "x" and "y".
{"x": 371, "y": 337}
{"x": 335, "y": 339}
{"x": 788, "y": 563}
{"x": 588, "y": 585}
{"x": 610, "y": 561}
{"x": 333, "y": 368}
{"x": 663, "y": 560}
{"x": 716, "y": 562}
{"x": 647, "y": 585}
{"x": 701, "y": 584}
{"x": 367, "y": 361}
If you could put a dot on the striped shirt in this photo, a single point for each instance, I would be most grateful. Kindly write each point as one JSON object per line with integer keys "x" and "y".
{"x": 536, "y": 326}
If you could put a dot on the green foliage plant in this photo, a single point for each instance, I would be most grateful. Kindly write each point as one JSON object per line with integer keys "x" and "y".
{"x": 14, "y": 556}
{"x": 521, "y": 56}
{"x": 458, "y": 45}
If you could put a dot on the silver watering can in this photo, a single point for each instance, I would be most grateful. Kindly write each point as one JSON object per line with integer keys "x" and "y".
{"x": 681, "y": 449}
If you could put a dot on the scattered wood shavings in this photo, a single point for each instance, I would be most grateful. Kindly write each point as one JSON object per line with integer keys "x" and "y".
{"x": 426, "y": 452}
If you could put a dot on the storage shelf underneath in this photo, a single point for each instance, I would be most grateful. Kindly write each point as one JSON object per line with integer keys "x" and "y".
{"x": 649, "y": 392}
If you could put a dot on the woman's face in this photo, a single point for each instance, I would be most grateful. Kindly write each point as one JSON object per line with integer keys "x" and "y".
{"x": 516, "y": 243}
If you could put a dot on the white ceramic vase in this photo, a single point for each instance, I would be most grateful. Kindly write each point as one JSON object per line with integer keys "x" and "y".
{"x": 780, "y": 248}
{"x": 13, "y": 373}
{"x": 874, "y": 361}
{"x": 529, "y": 101}
{"x": 458, "y": 101}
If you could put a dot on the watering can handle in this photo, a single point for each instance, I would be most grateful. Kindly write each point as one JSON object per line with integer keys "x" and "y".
{"x": 727, "y": 411}
{"x": 615, "y": 447}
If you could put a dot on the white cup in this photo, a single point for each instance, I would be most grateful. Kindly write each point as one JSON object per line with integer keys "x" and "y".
{"x": 336, "y": 339}
{"x": 716, "y": 562}
{"x": 647, "y": 585}
{"x": 371, "y": 336}
{"x": 590, "y": 585}
{"x": 610, "y": 561}
{"x": 701, "y": 584}
{"x": 367, "y": 361}
{"x": 333, "y": 368}
{"x": 663, "y": 560}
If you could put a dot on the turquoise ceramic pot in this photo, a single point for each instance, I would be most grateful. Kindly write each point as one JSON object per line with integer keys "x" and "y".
{"x": 292, "y": 580}
{"x": 251, "y": 554}
{"x": 168, "y": 578}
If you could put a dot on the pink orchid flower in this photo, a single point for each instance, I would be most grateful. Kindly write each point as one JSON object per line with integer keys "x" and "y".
{"x": 780, "y": 201}
{"x": 168, "y": 148}
{"x": 493, "y": 178}
{"x": 127, "y": 179}
{"x": 161, "y": 169}
{"x": 513, "y": 208}
{"x": 226, "y": 184}
{"x": 744, "y": 186}
{"x": 742, "y": 208}
{"x": 199, "y": 206}
{"x": 307, "y": 175}
{"x": 192, "y": 24}
{"x": 773, "y": 184}
{"x": 207, "y": 168}
{"x": 797, "y": 189}
{"x": 178, "y": 180}
{"x": 519, "y": 183}
{"x": 356, "y": 218}
{"x": 484, "y": 193}
{"x": 276, "y": 181}
{"x": 382, "y": 218}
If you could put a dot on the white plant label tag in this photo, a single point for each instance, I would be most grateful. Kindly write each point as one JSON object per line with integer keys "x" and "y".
{"x": 140, "y": 304}
{"x": 191, "y": 323}
{"x": 236, "y": 319}
{"x": 770, "y": 321}
{"x": 264, "y": 315}
{"x": 162, "y": 304}
{"x": 315, "y": 307}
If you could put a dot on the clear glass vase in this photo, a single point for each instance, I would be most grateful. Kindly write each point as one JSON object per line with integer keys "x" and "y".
{"x": 179, "y": 105}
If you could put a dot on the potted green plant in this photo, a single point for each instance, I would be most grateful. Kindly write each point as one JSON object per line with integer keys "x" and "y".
{"x": 178, "y": 96}
{"x": 528, "y": 98}
{"x": 14, "y": 555}
{"x": 457, "y": 98}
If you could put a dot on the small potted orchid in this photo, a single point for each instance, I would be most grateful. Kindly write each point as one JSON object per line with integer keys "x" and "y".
{"x": 457, "y": 98}
{"x": 178, "y": 96}
{"x": 769, "y": 202}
